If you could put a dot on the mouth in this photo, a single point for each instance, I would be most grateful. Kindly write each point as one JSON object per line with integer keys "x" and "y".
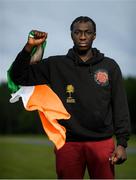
{"x": 83, "y": 44}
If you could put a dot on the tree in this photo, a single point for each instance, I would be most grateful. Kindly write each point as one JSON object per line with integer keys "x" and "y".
{"x": 130, "y": 85}
{"x": 14, "y": 118}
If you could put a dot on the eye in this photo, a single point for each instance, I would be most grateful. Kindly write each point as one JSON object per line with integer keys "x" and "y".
{"x": 89, "y": 32}
{"x": 76, "y": 32}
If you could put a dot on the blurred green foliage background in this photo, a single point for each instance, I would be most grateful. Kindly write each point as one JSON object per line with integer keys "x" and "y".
{"x": 26, "y": 153}
{"x": 15, "y": 120}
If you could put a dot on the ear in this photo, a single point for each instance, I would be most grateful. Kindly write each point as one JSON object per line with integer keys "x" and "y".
{"x": 71, "y": 35}
{"x": 94, "y": 37}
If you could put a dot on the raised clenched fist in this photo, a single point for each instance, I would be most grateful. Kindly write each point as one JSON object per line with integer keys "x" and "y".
{"x": 35, "y": 38}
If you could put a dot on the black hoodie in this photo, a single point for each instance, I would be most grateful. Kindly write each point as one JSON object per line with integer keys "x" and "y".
{"x": 91, "y": 91}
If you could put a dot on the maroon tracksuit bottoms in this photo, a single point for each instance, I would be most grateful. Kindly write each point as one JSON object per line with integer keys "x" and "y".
{"x": 73, "y": 158}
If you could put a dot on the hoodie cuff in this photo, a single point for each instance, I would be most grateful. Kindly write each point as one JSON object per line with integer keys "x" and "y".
{"x": 122, "y": 141}
{"x": 25, "y": 54}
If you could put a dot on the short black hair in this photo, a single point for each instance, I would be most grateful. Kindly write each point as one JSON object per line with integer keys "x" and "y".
{"x": 83, "y": 19}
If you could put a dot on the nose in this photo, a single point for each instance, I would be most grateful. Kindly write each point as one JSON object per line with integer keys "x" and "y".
{"x": 82, "y": 36}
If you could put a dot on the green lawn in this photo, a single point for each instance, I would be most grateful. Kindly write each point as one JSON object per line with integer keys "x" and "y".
{"x": 32, "y": 157}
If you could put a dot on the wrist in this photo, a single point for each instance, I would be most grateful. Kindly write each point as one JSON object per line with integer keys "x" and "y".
{"x": 28, "y": 47}
{"x": 120, "y": 146}
{"x": 122, "y": 141}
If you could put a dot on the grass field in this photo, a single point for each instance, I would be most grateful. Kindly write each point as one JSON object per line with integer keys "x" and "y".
{"x": 32, "y": 157}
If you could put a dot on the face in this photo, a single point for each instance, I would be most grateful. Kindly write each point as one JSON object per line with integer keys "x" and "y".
{"x": 83, "y": 35}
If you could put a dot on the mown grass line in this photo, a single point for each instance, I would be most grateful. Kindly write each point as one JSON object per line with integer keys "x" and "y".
{"x": 32, "y": 157}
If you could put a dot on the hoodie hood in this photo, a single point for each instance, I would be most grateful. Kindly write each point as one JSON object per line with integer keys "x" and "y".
{"x": 97, "y": 57}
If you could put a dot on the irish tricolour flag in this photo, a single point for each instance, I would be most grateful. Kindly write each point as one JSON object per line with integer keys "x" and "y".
{"x": 50, "y": 107}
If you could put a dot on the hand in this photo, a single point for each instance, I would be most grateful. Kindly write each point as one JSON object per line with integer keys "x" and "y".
{"x": 39, "y": 38}
{"x": 119, "y": 155}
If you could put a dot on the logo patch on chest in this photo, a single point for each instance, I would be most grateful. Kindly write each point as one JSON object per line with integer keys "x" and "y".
{"x": 70, "y": 90}
{"x": 101, "y": 77}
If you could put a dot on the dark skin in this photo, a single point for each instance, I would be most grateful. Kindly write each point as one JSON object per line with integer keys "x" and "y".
{"x": 38, "y": 39}
{"x": 83, "y": 35}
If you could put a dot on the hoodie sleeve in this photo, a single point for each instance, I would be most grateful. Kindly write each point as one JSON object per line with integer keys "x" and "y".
{"x": 22, "y": 73}
{"x": 121, "y": 117}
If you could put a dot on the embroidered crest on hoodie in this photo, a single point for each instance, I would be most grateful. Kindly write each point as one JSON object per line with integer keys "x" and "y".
{"x": 101, "y": 77}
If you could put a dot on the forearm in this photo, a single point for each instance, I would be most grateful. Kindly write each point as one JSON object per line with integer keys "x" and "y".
{"x": 27, "y": 68}
{"x": 23, "y": 73}
{"x": 19, "y": 67}
{"x": 121, "y": 118}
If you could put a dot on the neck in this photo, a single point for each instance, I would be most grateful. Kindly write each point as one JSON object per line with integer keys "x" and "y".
{"x": 85, "y": 55}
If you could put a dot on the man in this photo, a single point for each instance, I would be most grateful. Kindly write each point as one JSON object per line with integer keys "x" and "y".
{"x": 91, "y": 88}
